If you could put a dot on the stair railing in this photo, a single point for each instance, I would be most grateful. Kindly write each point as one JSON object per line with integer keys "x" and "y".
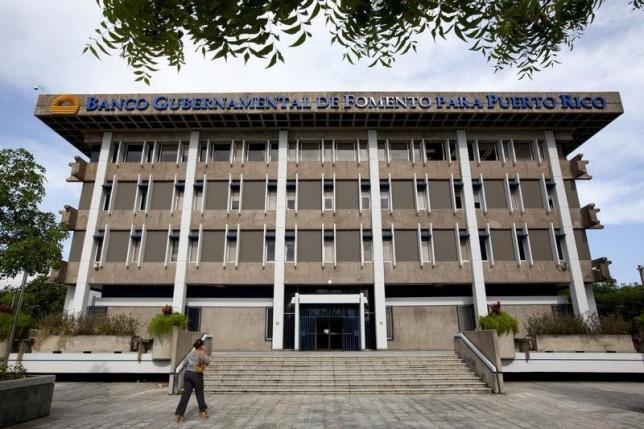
{"x": 494, "y": 375}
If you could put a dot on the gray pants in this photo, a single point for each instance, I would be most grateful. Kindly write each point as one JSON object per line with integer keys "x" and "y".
{"x": 191, "y": 380}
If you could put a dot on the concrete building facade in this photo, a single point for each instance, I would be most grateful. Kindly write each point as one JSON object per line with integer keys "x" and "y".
{"x": 329, "y": 220}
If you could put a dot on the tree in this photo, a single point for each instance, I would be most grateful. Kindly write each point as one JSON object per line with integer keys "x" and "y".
{"x": 30, "y": 240}
{"x": 626, "y": 301}
{"x": 526, "y": 34}
{"x": 40, "y": 298}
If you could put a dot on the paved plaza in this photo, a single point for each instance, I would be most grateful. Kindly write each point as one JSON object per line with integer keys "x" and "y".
{"x": 526, "y": 405}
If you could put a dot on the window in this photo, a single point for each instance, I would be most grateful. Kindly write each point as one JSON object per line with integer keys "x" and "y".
{"x": 328, "y": 195}
{"x": 149, "y": 152}
{"x": 387, "y": 247}
{"x": 345, "y": 151}
{"x": 487, "y": 151}
{"x": 382, "y": 151}
{"x": 289, "y": 246}
{"x": 364, "y": 151}
{"x": 384, "y": 195}
{"x": 231, "y": 247}
{"x": 271, "y": 196}
{"x": 291, "y": 195}
{"x": 551, "y": 196}
{"x": 198, "y": 197}
{"x": 168, "y": 152}
{"x": 417, "y": 150}
{"x": 115, "y": 152}
{"x": 507, "y": 150}
{"x": 178, "y": 199}
{"x": 484, "y": 240}
{"x": 458, "y": 195}
{"x": 329, "y": 251}
{"x": 292, "y": 151}
{"x": 143, "y": 196}
{"x": 107, "y": 195}
{"x": 453, "y": 153}
{"x": 399, "y": 151}
{"x": 98, "y": 247}
{"x": 515, "y": 197}
{"x": 425, "y": 246}
{"x": 221, "y": 152}
{"x": 328, "y": 151}
{"x": 238, "y": 151}
{"x": 203, "y": 152}
{"x": 435, "y": 151}
{"x": 522, "y": 242}
{"x": 234, "y": 196}
{"x": 365, "y": 195}
{"x": 465, "y": 254}
{"x": 256, "y": 152}
{"x": 133, "y": 152}
{"x": 274, "y": 151}
{"x": 193, "y": 246}
{"x": 174, "y": 247}
{"x": 560, "y": 246}
{"x": 310, "y": 152}
{"x": 135, "y": 247}
{"x": 421, "y": 195}
{"x": 470, "y": 151}
{"x": 478, "y": 190}
{"x": 367, "y": 246}
{"x": 269, "y": 246}
{"x": 523, "y": 151}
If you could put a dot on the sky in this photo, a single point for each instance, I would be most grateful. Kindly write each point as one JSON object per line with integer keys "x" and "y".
{"x": 42, "y": 43}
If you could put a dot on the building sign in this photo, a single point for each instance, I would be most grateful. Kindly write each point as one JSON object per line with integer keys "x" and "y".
{"x": 345, "y": 102}
{"x": 65, "y": 104}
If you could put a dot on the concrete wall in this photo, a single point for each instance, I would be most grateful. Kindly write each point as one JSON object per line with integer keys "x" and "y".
{"x": 143, "y": 314}
{"x": 424, "y": 327}
{"x": 522, "y": 312}
{"x": 235, "y": 328}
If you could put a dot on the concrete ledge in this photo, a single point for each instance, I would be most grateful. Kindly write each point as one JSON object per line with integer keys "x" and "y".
{"x": 25, "y": 399}
{"x": 584, "y": 343}
{"x": 82, "y": 363}
{"x": 608, "y": 363}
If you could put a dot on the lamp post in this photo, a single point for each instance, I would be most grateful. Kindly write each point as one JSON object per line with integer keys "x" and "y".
{"x": 640, "y": 268}
{"x": 16, "y": 315}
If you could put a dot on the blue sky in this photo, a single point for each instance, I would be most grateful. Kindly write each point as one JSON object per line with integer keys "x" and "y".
{"x": 42, "y": 43}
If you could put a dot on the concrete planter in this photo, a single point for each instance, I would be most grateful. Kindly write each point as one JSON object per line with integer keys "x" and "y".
{"x": 506, "y": 346}
{"x": 584, "y": 343}
{"x": 162, "y": 346}
{"x": 25, "y": 399}
{"x": 84, "y": 343}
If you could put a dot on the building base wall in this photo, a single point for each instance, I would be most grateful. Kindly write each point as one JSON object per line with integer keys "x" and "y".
{"x": 424, "y": 327}
{"x": 236, "y": 328}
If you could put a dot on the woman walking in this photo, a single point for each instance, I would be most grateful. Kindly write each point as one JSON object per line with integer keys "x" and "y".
{"x": 193, "y": 379}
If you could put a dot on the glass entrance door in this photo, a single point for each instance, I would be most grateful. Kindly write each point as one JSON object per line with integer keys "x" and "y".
{"x": 329, "y": 327}
{"x": 328, "y": 333}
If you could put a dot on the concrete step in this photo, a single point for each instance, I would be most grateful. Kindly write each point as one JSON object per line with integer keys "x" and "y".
{"x": 364, "y": 391}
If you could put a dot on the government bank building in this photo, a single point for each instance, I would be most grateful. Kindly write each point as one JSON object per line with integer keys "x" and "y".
{"x": 329, "y": 220}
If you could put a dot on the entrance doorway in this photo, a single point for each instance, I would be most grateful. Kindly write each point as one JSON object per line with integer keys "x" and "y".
{"x": 329, "y": 333}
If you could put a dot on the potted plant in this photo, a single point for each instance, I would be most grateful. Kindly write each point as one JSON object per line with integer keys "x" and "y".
{"x": 505, "y": 326}
{"x": 161, "y": 328}
{"x": 553, "y": 332}
{"x": 23, "y": 397}
{"x": 98, "y": 333}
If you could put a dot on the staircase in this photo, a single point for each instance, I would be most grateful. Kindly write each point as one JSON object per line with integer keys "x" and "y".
{"x": 334, "y": 373}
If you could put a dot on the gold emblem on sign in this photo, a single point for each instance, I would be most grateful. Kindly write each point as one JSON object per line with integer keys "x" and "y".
{"x": 65, "y": 104}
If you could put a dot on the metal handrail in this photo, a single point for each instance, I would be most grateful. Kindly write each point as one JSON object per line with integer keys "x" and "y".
{"x": 477, "y": 352}
{"x": 180, "y": 368}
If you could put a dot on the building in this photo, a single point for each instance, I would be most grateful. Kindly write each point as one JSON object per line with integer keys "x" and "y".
{"x": 329, "y": 220}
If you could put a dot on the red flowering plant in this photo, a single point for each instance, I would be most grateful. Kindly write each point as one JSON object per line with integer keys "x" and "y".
{"x": 166, "y": 309}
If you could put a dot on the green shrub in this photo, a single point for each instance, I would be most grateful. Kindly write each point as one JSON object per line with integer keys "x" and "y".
{"x": 12, "y": 372}
{"x": 95, "y": 324}
{"x": 639, "y": 322}
{"x": 501, "y": 322}
{"x": 25, "y": 323}
{"x": 568, "y": 324}
{"x": 161, "y": 325}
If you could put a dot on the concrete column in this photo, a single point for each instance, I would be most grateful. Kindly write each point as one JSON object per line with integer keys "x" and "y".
{"x": 280, "y": 231}
{"x": 578, "y": 295}
{"x": 296, "y": 342}
{"x": 180, "y": 287}
{"x": 362, "y": 328}
{"x": 81, "y": 291}
{"x": 376, "y": 227}
{"x": 479, "y": 297}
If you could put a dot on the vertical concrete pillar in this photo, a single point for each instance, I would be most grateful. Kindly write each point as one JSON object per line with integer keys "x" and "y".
{"x": 578, "y": 295}
{"x": 180, "y": 286}
{"x": 280, "y": 231}
{"x": 362, "y": 327}
{"x": 376, "y": 226}
{"x": 81, "y": 291}
{"x": 479, "y": 296}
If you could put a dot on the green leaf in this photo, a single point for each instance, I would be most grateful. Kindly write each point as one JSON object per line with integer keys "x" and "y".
{"x": 299, "y": 41}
